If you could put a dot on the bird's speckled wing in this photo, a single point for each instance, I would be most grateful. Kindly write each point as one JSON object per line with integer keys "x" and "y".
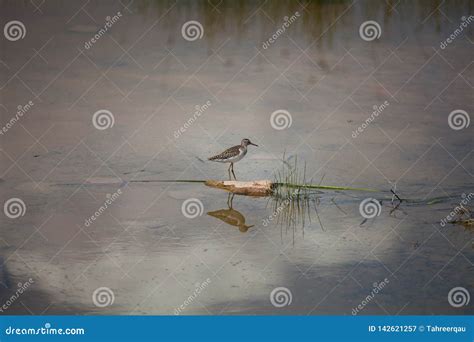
{"x": 230, "y": 152}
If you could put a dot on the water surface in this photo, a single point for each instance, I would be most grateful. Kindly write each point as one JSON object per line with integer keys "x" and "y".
{"x": 143, "y": 248}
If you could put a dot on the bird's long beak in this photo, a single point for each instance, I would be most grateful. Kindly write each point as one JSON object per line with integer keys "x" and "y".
{"x": 251, "y": 143}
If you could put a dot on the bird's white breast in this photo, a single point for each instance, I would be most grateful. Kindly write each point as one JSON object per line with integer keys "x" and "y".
{"x": 242, "y": 153}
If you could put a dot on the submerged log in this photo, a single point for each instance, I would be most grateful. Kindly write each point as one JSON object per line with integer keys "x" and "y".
{"x": 252, "y": 188}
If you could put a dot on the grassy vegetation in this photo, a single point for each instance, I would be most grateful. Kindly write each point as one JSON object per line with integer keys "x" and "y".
{"x": 291, "y": 177}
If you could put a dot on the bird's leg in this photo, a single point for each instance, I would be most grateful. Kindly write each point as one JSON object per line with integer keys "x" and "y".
{"x": 232, "y": 169}
{"x": 228, "y": 170}
{"x": 230, "y": 199}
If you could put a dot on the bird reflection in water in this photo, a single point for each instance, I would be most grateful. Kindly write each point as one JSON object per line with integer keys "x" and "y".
{"x": 231, "y": 216}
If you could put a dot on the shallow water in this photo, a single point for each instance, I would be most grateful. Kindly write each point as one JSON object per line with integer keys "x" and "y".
{"x": 143, "y": 248}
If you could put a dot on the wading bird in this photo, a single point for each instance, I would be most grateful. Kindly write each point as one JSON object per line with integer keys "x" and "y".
{"x": 233, "y": 155}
